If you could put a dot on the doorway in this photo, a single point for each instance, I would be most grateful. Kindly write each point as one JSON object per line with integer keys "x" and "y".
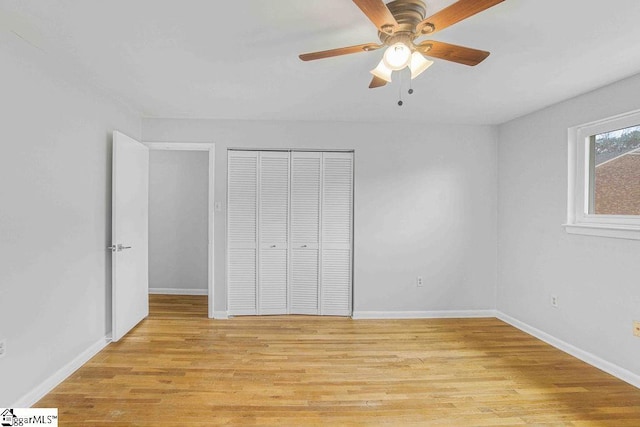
{"x": 181, "y": 223}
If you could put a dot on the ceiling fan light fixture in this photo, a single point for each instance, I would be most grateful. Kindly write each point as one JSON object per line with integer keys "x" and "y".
{"x": 399, "y": 24}
{"x": 397, "y": 56}
{"x": 382, "y": 72}
{"x": 418, "y": 64}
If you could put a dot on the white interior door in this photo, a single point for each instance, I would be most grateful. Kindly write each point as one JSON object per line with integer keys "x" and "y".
{"x": 336, "y": 234}
{"x": 289, "y": 232}
{"x": 242, "y": 232}
{"x": 306, "y": 179}
{"x": 130, "y": 240}
{"x": 273, "y": 232}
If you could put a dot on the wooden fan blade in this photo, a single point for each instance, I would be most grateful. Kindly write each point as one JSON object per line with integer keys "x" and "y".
{"x": 377, "y": 82}
{"x": 367, "y": 47}
{"x": 453, "y": 14}
{"x": 379, "y": 14}
{"x": 452, "y": 52}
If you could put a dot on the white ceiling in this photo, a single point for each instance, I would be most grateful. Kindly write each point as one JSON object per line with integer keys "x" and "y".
{"x": 237, "y": 59}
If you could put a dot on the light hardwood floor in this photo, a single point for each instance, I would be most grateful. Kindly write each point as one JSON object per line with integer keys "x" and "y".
{"x": 180, "y": 368}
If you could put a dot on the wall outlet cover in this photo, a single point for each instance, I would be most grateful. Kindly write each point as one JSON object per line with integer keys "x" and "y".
{"x": 636, "y": 328}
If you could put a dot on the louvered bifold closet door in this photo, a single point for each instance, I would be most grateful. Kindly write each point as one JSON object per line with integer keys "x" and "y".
{"x": 305, "y": 232}
{"x": 242, "y": 229}
{"x": 273, "y": 226}
{"x": 336, "y": 232}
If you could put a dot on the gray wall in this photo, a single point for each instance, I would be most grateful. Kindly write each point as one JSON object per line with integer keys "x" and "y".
{"x": 596, "y": 279}
{"x": 425, "y": 204}
{"x": 55, "y": 215}
{"x": 178, "y": 216}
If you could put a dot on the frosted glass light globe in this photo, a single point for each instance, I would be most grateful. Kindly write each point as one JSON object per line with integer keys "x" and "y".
{"x": 397, "y": 56}
{"x": 382, "y": 72}
{"x": 418, "y": 64}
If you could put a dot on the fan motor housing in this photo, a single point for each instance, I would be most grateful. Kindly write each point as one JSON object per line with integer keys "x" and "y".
{"x": 408, "y": 14}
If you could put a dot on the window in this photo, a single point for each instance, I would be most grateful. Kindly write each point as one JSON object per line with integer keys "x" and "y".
{"x": 604, "y": 178}
{"x": 615, "y": 172}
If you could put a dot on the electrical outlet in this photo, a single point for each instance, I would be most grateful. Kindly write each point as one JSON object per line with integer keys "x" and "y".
{"x": 554, "y": 301}
{"x": 3, "y": 348}
{"x": 636, "y": 328}
{"x": 419, "y": 281}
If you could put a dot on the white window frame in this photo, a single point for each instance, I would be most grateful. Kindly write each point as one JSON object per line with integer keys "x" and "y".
{"x": 579, "y": 220}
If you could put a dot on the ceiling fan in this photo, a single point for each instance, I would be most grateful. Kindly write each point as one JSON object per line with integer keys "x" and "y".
{"x": 400, "y": 23}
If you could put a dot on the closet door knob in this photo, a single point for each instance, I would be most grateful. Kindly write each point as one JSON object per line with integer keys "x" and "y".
{"x": 117, "y": 248}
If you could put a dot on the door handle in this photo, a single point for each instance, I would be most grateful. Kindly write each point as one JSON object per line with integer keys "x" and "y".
{"x": 118, "y": 248}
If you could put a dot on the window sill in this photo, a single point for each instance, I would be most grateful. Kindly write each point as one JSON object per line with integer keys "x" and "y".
{"x": 618, "y": 231}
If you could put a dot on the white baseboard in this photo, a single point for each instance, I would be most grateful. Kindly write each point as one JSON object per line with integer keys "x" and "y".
{"x": 63, "y": 373}
{"x": 177, "y": 291}
{"x": 437, "y": 314}
{"x": 220, "y": 315}
{"x": 585, "y": 356}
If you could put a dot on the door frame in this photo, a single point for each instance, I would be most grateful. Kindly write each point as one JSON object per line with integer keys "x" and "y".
{"x": 210, "y": 148}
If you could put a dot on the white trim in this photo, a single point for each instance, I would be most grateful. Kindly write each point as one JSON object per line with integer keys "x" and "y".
{"x": 177, "y": 291}
{"x": 585, "y": 356}
{"x": 212, "y": 195}
{"x": 437, "y": 314}
{"x": 604, "y": 230}
{"x": 39, "y": 391}
{"x": 180, "y": 146}
{"x": 211, "y": 148}
{"x": 221, "y": 315}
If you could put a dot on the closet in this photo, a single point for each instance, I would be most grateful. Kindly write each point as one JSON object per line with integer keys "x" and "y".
{"x": 289, "y": 232}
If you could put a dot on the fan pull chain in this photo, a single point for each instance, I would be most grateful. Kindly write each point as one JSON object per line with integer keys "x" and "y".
{"x": 400, "y": 90}
{"x": 410, "y": 91}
